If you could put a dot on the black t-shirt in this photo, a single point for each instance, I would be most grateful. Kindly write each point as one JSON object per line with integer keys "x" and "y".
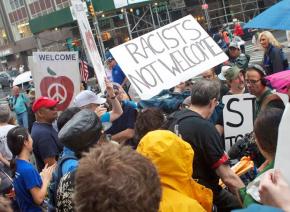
{"x": 207, "y": 146}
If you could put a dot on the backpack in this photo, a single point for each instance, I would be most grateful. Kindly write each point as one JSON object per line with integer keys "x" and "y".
{"x": 56, "y": 176}
{"x": 173, "y": 120}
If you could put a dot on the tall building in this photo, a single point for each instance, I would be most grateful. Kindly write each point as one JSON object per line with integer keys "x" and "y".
{"x": 16, "y": 39}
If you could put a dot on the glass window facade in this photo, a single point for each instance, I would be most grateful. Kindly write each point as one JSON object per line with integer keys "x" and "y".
{"x": 18, "y": 18}
{"x": 39, "y": 7}
{"x": 3, "y": 34}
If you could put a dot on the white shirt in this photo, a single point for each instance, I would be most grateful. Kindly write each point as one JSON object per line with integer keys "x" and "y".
{"x": 5, "y": 151}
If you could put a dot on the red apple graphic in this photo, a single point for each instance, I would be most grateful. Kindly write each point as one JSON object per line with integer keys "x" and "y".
{"x": 59, "y": 88}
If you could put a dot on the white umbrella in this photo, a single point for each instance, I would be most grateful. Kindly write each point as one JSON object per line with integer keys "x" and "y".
{"x": 22, "y": 78}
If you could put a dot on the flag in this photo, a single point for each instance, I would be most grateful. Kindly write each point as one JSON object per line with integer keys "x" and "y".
{"x": 84, "y": 71}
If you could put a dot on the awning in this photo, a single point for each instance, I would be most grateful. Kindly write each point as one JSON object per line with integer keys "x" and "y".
{"x": 276, "y": 17}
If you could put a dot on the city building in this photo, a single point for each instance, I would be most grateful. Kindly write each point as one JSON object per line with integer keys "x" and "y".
{"x": 47, "y": 25}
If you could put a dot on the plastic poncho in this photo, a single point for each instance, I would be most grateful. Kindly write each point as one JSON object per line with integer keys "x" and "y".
{"x": 173, "y": 159}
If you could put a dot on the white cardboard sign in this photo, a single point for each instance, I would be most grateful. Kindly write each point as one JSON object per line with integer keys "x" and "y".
{"x": 282, "y": 159}
{"x": 163, "y": 58}
{"x": 89, "y": 41}
{"x": 56, "y": 75}
{"x": 238, "y": 117}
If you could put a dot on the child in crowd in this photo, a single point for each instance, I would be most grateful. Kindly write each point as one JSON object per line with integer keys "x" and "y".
{"x": 30, "y": 186}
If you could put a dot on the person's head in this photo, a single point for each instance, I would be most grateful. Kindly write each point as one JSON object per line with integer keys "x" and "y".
{"x": 4, "y": 114}
{"x": 160, "y": 146}
{"x": 180, "y": 87}
{"x": 111, "y": 62}
{"x": 266, "y": 129}
{"x": 205, "y": 94}
{"x": 234, "y": 50}
{"x": 209, "y": 74}
{"x": 120, "y": 180}
{"x": 255, "y": 80}
{"x": 81, "y": 132}
{"x": 18, "y": 140}
{"x": 45, "y": 109}
{"x": 235, "y": 78}
{"x": 267, "y": 38}
{"x": 88, "y": 100}
{"x": 66, "y": 115}
{"x": 15, "y": 91}
{"x": 169, "y": 152}
{"x": 31, "y": 95}
{"x": 148, "y": 120}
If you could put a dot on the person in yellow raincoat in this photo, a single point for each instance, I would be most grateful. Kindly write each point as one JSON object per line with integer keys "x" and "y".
{"x": 173, "y": 159}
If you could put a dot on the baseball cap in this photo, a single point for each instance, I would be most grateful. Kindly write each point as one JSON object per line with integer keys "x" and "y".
{"x": 43, "y": 101}
{"x": 234, "y": 45}
{"x": 88, "y": 97}
{"x": 231, "y": 73}
{"x": 81, "y": 132}
{"x": 108, "y": 56}
{"x": 221, "y": 75}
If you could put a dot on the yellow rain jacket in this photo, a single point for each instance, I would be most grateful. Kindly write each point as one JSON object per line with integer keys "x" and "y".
{"x": 173, "y": 159}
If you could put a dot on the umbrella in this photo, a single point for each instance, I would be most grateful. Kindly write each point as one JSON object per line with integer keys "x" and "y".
{"x": 276, "y": 17}
{"x": 22, "y": 78}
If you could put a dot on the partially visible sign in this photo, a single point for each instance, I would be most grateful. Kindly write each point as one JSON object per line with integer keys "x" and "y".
{"x": 283, "y": 145}
{"x": 56, "y": 75}
{"x": 125, "y": 3}
{"x": 163, "y": 58}
{"x": 238, "y": 117}
{"x": 89, "y": 42}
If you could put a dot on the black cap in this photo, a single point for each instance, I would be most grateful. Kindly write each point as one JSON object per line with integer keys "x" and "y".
{"x": 81, "y": 132}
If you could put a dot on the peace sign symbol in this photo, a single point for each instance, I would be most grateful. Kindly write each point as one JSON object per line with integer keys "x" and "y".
{"x": 57, "y": 92}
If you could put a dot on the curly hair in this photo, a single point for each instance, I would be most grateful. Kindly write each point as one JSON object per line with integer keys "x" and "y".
{"x": 113, "y": 178}
{"x": 148, "y": 120}
{"x": 270, "y": 37}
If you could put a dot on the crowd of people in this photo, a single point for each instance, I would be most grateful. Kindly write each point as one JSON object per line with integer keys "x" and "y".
{"x": 108, "y": 152}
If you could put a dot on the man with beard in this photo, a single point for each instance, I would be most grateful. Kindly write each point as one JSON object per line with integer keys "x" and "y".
{"x": 235, "y": 80}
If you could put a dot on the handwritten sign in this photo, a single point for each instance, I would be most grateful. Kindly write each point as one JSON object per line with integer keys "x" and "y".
{"x": 238, "y": 117}
{"x": 92, "y": 51}
{"x": 283, "y": 146}
{"x": 163, "y": 58}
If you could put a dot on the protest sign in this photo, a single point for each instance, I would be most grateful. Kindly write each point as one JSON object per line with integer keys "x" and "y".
{"x": 89, "y": 41}
{"x": 163, "y": 58}
{"x": 56, "y": 75}
{"x": 238, "y": 117}
{"x": 283, "y": 145}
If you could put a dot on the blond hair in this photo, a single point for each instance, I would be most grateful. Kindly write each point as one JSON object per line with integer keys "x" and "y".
{"x": 270, "y": 37}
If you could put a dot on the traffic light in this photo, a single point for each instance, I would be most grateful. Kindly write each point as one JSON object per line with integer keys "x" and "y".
{"x": 91, "y": 9}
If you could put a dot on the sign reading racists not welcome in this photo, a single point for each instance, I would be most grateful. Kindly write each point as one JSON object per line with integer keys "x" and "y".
{"x": 163, "y": 58}
{"x": 56, "y": 75}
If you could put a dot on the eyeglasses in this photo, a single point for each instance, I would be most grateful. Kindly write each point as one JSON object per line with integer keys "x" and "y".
{"x": 252, "y": 81}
